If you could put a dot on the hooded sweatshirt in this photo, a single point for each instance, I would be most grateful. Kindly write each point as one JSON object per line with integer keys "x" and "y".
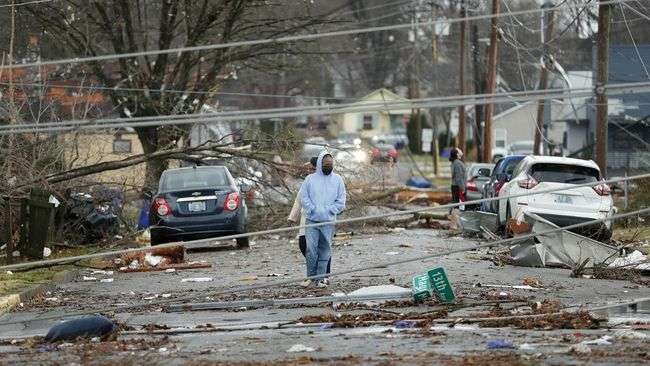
{"x": 323, "y": 196}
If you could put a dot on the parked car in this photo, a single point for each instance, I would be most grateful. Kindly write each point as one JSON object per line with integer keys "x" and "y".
{"x": 197, "y": 202}
{"x": 572, "y": 205}
{"x": 397, "y": 140}
{"x": 383, "y": 153}
{"x": 501, "y": 174}
{"x": 521, "y": 148}
{"x": 477, "y": 175}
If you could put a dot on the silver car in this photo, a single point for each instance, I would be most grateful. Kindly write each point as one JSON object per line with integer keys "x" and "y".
{"x": 478, "y": 174}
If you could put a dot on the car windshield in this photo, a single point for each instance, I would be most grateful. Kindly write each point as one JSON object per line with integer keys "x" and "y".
{"x": 185, "y": 179}
{"x": 564, "y": 173}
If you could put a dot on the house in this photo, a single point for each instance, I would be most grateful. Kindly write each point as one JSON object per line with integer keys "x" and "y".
{"x": 98, "y": 146}
{"x": 629, "y": 114}
{"x": 369, "y": 124}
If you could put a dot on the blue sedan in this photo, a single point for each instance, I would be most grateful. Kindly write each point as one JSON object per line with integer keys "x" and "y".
{"x": 196, "y": 203}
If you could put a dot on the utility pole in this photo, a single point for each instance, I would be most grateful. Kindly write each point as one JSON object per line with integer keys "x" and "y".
{"x": 604, "y": 17}
{"x": 461, "y": 78}
{"x": 547, "y": 34}
{"x": 479, "y": 84}
{"x": 491, "y": 83}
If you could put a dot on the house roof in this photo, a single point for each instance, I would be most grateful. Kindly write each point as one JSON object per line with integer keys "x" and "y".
{"x": 625, "y": 66}
{"x": 383, "y": 94}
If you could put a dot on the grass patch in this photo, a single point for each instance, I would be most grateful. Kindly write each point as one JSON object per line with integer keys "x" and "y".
{"x": 631, "y": 234}
{"x": 19, "y": 281}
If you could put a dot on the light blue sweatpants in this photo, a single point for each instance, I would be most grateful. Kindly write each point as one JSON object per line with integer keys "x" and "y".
{"x": 319, "y": 248}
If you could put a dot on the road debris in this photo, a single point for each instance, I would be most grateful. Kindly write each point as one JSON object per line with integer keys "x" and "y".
{"x": 197, "y": 279}
{"x": 579, "y": 348}
{"x": 558, "y": 249}
{"x": 86, "y": 327}
{"x": 516, "y": 287}
{"x": 88, "y": 278}
{"x": 635, "y": 260}
{"x": 296, "y": 348}
{"x": 602, "y": 341}
{"x": 472, "y": 222}
{"x": 629, "y": 334}
{"x": 533, "y": 282}
{"x": 499, "y": 344}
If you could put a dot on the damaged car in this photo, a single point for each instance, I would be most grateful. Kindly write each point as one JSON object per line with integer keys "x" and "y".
{"x": 569, "y": 205}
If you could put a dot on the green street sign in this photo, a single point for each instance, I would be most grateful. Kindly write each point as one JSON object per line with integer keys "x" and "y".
{"x": 440, "y": 285}
{"x": 421, "y": 287}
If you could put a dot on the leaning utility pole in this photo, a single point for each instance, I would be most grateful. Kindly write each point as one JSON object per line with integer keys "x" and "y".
{"x": 491, "y": 83}
{"x": 604, "y": 16}
{"x": 461, "y": 78}
{"x": 479, "y": 85}
{"x": 547, "y": 33}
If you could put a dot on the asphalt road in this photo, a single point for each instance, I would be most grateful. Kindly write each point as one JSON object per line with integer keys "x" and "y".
{"x": 273, "y": 259}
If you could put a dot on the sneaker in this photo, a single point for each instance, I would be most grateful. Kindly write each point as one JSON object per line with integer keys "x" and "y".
{"x": 322, "y": 284}
{"x": 305, "y": 283}
{"x": 326, "y": 281}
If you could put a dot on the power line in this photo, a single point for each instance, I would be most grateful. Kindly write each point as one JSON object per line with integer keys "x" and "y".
{"x": 27, "y": 3}
{"x": 171, "y": 91}
{"x": 636, "y": 49}
{"x": 437, "y": 102}
{"x": 303, "y": 37}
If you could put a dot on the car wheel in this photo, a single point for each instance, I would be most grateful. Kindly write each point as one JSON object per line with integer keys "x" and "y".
{"x": 243, "y": 243}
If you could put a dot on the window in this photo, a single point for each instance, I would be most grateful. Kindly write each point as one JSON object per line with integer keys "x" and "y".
{"x": 121, "y": 146}
{"x": 564, "y": 173}
{"x": 195, "y": 178}
{"x": 367, "y": 121}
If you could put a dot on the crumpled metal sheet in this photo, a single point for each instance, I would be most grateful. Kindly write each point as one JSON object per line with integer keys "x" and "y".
{"x": 560, "y": 248}
{"x": 472, "y": 221}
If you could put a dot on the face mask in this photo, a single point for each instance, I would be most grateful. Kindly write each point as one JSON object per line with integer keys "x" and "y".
{"x": 327, "y": 170}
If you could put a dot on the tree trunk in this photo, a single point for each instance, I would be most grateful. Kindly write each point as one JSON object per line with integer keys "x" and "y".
{"x": 154, "y": 168}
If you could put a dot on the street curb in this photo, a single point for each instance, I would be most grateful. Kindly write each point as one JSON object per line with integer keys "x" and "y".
{"x": 9, "y": 302}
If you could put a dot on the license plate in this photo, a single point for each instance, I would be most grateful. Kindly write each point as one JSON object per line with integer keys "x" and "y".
{"x": 562, "y": 198}
{"x": 196, "y": 206}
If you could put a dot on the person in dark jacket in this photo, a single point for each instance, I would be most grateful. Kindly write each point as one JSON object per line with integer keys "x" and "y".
{"x": 457, "y": 176}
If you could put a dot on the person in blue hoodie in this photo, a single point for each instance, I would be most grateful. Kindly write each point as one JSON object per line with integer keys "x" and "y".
{"x": 323, "y": 198}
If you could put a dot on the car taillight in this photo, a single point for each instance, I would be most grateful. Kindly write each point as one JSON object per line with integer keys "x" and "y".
{"x": 528, "y": 183}
{"x": 471, "y": 185}
{"x": 375, "y": 152}
{"x": 392, "y": 153}
{"x": 602, "y": 189}
{"x": 232, "y": 201}
{"x": 161, "y": 207}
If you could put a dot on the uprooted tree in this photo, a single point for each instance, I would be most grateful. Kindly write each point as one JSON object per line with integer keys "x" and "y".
{"x": 90, "y": 28}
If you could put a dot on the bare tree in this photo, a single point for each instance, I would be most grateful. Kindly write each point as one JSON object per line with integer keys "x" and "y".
{"x": 98, "y": 27}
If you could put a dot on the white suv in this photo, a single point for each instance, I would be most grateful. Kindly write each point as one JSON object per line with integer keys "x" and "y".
{"x": 566, "y": 207}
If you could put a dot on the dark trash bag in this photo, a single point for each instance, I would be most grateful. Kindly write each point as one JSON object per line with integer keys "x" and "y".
{"x": 419, "y": 182}
{"x": 88, "y": 326}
